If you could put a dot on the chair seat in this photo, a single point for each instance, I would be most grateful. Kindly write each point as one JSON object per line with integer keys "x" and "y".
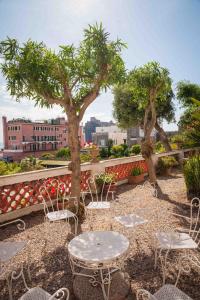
{"x": 172, "y": 240}
{"x": 98, "y": 205}
{"x": 9, "y": 249}
{"x": 60, "y": 215}
{"x": 36, "y": 293}
{"x": 130, "y": 220}
{"x": 170, "y": 292}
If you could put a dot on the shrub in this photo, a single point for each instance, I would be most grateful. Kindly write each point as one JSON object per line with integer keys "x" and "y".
{"x": 159, "y": 148}
{"x": 63, "y": 153}
{"x": 106, "y": 178}
{"x": 3, "y": 167}
{"x": 85, "y": 157}
{"x": 103, "y": 152}
{"x": 119, "y": 150}
{"x": 165, "y": 163}
{"x": 47, "y": 156}
{"x": 191, "y": 170}
{"x": 136, "y": 171}
{"x": 136, "y": 149}
{"x": 30, "y": 164}
{"x": 9, "y": 168}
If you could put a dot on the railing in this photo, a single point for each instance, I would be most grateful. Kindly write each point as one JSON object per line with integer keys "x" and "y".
{"x": 19, "y": 193}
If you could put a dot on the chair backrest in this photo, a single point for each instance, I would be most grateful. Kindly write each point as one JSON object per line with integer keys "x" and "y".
{"x": 54, "y": 196}
{"x": 195, "y": 220}
{"x": 98, "y": 187}
{"x": 148, "y": 189}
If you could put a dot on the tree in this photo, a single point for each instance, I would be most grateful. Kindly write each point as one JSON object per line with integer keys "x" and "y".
{"x": 72, "y": 78}
{"x": 189, "y": 96}
{"x": 142, "y": 100}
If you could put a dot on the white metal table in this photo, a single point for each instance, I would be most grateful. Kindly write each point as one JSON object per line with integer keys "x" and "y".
{"x": 101, "y": 251}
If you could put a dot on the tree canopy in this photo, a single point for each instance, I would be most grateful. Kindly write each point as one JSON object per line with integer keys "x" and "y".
{"x": 68, "y": 76}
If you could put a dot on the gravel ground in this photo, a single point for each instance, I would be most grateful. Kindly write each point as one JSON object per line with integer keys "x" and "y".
{"x": 49, "y": 259}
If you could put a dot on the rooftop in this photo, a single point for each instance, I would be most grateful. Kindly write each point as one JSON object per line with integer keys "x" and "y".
{"x": 50, "y": 267}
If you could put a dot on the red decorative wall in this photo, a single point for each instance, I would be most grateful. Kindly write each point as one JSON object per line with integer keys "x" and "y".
{"x": 124, "y": 170}
{"x": 24, "y": 194}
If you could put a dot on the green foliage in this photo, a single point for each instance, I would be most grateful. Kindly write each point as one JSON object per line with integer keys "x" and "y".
{"x": 159, "y": 147}
{"x": 85, "y": 157}
{"x": 135, "y": 149}
{"x": 30, "y": 164}
{"x": 136, "y": 171}
{"x": 119, "y": 150}
{"x": 9, "y": 168}
{"x": 132, "y": 98}
{"x": 165, "y": 163}
{"x": 63, "y": 153}
{"x": 191, "y": 170}
{"x": 36, "y": 72}
{"x": 3, "y": 167}
{"x": 106, "y": 178}
{"x": 104, "y": 152}
{"x": 48, "y": 156}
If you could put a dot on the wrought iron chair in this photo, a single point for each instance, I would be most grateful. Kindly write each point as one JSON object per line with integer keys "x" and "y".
{"x": 38, "y": 293}
{"x": 8, "y": 250}
{"x": 166, "y": 292}
{"x": 181, "y": 239}
{"x": 98, "y": 196}
{"x": 55, "y": 201}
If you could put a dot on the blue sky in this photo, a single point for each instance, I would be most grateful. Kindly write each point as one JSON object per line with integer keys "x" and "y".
{"x": 166, "y": 31}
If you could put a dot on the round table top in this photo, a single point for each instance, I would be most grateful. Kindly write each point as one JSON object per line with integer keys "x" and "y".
{"x": 98, "y": 246}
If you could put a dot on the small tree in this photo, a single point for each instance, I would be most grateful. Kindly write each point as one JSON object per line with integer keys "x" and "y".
{"x": 138, "y": 102}
{"x": 72, "y": 78}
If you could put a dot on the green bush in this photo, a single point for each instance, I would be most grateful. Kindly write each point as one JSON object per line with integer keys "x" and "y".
{"x": 136, "y": 149}
{"x": 191, "y": 170}
{"x": 9, "y": 168}
{"x": 30, "y": 164}
{"x": 165, "y": 163}
{"x": 136, "y": 171}
{"x": 63, "y": 153}
{"x": 103, "y": 152}
{"x": 48, "y": 156}
{"x": 85, "y": 157}
{"x": 159, "y": 148}
{"x": 106, "y": 178}
{"x": 119, "y": 150}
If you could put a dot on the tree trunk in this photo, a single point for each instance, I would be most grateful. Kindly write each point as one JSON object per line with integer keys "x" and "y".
{"x": 163, "y": 137}
{"x": 74, "y": 145}
{"x": 147, "y": 152}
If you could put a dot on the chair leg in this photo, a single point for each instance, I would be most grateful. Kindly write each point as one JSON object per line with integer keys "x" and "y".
{"x": 156, "y": 259}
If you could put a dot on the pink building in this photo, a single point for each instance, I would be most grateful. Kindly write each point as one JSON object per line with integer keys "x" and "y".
{"x": 24, "y": 138}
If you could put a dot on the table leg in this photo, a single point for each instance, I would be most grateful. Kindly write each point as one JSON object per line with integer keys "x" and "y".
{"x": 105, "y": 281}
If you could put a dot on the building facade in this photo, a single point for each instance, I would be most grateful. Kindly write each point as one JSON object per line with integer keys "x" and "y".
{"x": 90, "y": 127}
{"x": 24, "y": 138}
{"x": 105, "y": 133}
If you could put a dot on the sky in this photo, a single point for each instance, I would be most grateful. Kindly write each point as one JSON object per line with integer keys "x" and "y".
{"x": 165, "y": 31}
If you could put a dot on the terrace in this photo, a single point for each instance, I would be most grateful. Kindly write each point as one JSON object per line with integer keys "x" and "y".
{"x": 49, "y": 263}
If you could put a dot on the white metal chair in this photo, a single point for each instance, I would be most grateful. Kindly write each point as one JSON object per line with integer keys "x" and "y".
{"x": 99, "y": 197}
{"x": 166, "y": 292}
{"x": 8, "y": 250}
{"x": 181, "y": 239}
{"x": 38, "y": 293}
{"x": 55, "y": 201}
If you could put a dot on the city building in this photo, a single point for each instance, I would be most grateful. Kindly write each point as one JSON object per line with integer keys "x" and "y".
{"x": 105, "y": 133}
{"x": 90, "y": 127}
{"x": 24, "y": 138}
{"x": 119, "y": 136}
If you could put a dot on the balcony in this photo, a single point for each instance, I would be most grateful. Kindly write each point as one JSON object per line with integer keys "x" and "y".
{"x": 49, "y": 264}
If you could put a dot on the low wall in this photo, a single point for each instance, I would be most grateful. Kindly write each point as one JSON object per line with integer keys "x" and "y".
{"x": 19, "y": 193}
